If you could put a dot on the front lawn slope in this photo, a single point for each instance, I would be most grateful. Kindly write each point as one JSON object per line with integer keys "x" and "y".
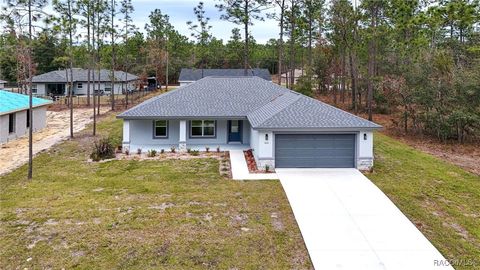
{"x": 171, "y": 214}
{"x": 442, "y": 200}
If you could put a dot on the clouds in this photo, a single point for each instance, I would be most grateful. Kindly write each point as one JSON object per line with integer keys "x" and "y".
{"x": 181, "y": 11}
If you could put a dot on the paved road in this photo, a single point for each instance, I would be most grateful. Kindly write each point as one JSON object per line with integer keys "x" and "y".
{"x": 348, "y": 223}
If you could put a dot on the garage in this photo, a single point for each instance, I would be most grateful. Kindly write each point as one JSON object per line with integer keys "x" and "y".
{"x": 315, "y": 150}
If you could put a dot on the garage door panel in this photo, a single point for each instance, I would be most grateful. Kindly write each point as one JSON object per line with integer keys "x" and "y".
{"x": 314, "y": 150}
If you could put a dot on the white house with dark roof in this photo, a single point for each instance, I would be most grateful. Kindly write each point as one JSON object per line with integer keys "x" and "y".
{"x": 189, "y": 75}
{"x": 56, "y": 83}
{"x": 2, "y": 83}
{"x": 284, "y": 128}
{"x": 14, "y": 121}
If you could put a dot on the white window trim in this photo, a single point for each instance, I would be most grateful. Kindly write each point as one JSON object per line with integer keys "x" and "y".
{"x": 34, "y": 88}
{"x": 155, "y": 129}
{"x": 203, "y": 129}
{"x": 79, "y": 85}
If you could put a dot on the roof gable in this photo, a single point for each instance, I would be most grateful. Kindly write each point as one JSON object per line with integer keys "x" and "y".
{"x": 81, "y": 75}
{"x": 191, "y": 74}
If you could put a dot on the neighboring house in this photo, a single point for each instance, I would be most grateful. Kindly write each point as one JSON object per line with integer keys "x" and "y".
{"x": 189, "y": 75}
{"x": 2, "y": 84}
{"x": 55, "y": 82}
{"x": 283, "y": 127}
{"x": 14, "y": 115}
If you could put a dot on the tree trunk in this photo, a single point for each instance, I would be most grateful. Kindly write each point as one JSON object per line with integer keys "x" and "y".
{"x": 112, "y": 93}
{"x": 280, "y": 44}
{"x": 353, "y": 75}
{"x": 246, "y": 21}
{"x": 70, "y": 90}
{"x": 30, "y": 94}
{"x": 344, "y": 74}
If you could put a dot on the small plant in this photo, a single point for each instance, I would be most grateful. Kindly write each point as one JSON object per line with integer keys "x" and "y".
{"x": 218, "y": 149}
{"x": 172, "y": 149}
{"x": 152, "y": 153}
{"x": 139, "y": 151}
{"x": 207, "y": 149}
{"x": 103, "y": 149}
{"x": 127, "y": 152}
{"x": 267, "y": 168}
{"x": 189, "y": 150}
{"x": 162, "y": 151}
{"x": 194, "y": 152}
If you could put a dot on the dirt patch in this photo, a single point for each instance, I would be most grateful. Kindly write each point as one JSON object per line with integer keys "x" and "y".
{"x": 13, "y": 154}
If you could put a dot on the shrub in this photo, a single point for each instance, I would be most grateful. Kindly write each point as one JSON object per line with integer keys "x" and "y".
{"x": 162, "y": 151}
{"x": 189, "y": 150}
{"x": 139, "y": 151}
{"x": 267, "y": 168}
{"x": 152, "y": 153}
{"x": 207, "y": 149}
{"x": 103, "y": 149}
{"x": 194, "y": 152}
{"x": 172, "y": 149}
{"x": 218, "y": 149}
{"x": 127, "y": 152}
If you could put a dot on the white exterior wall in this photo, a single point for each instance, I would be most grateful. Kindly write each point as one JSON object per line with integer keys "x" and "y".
{"x": 2, "y": 85}
{"x": 365, "y": 150}
{"x": 264, "y": 151}
{"x": 41, "y": 89}
{"x": 183, "y": 83}
{"x": 39, "y": 122}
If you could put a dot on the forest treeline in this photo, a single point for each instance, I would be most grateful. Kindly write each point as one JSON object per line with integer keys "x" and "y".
{"x": 418, "y": 60}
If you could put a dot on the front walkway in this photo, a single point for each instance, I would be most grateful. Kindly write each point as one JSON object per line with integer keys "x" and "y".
{"x": 348, "y": 223}
{"x": 240, "y": 168}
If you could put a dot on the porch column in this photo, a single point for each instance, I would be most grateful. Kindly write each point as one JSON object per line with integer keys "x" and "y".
{"x": 182, "y": 141}
{"x": 126, "y": 135}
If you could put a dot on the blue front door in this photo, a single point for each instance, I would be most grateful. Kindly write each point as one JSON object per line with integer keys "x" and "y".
{"x": 234, "y": 131}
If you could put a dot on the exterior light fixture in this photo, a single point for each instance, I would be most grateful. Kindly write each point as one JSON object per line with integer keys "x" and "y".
{"x": 266, "y": 137}
{"x": 365, "y": 136}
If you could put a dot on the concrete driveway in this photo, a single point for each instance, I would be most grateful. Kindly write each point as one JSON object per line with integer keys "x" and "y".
{"x": 348, "y": 223}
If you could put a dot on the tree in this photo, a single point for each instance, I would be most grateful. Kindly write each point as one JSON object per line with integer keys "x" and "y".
{"x": 67, "y": 25}
{"x": 127, "y": 9}
{"x": 24, "y": 13}
{"x": 243, "y": 12}
{"x": 201, "y": 32}
{"x": 157, "y": 31}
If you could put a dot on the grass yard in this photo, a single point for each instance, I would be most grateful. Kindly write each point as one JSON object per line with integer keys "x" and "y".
{"x": 175, "y": 214}
{"x": 443, "y": 200}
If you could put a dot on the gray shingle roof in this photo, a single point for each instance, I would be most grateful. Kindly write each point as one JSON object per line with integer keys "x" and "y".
{"x": 265, "y": 104}
{"x": 81, "y": 75}
{"x": 191, "y": 75}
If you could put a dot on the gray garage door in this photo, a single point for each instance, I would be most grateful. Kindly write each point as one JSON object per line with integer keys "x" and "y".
{"x": 314, "y": 150}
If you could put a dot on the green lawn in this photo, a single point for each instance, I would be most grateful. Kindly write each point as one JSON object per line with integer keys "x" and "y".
{"x": 152, "y": 214}
{"x": 178, "y": 214}
{"x": 443, "y": 200}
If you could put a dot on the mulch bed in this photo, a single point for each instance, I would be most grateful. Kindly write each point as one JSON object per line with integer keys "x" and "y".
{"x": 252, "y": 164}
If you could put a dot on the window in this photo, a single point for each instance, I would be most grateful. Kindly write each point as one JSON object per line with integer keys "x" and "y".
{"x": 34, "y": 88}
{"x": 161, "y": 128}
{"x": 79, "y": 85}
{"x": 28, "y": 118}
{"x": 202, "y": 128}
{"x": 108, "y": 87}
{"x": 11, "y": 123}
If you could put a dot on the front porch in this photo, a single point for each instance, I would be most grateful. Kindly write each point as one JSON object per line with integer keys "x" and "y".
{"x": 182, "y": 134}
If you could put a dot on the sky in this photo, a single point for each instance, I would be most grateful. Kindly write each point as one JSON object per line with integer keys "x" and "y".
{"x": 181, "y": 11}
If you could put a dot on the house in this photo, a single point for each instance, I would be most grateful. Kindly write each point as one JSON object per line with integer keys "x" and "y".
{"x": 14, "y": 121}
{"x": 2, "y": 84}
{"x": 189, "y": 75}
{"x": 55, "y": 82}
{"x": 283, "y": 127}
